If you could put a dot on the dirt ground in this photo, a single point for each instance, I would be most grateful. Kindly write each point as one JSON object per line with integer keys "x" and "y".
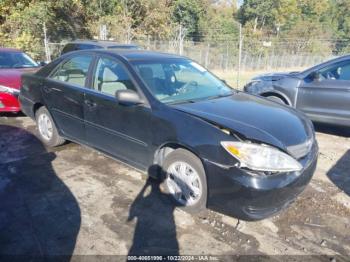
{"x": 73, "y": 200}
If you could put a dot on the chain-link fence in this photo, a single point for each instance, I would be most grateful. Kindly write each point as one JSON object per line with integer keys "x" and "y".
{"x": 224, "y": 56}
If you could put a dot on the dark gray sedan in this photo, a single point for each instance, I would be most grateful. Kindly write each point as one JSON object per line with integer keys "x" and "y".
{"x": 321, "y": 92}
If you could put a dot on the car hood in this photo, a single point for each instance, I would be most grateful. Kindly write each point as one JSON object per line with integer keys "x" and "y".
{"x": 253, "y": 118}
{"x": 12, "y": 77}
{"x": 275, "y": 76}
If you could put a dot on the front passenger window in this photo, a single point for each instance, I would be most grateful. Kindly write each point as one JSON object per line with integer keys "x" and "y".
{"x": 339, "y": 71}
{"x": 111, "y": 76}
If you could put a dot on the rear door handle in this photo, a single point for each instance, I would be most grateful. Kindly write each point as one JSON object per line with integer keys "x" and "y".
{"x": 90, "y": 103}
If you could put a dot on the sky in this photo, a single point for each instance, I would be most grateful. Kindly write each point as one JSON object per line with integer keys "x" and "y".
{"x": 238, "y": 3}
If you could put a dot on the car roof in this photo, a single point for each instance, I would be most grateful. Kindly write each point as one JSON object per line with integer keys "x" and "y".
{"x": 338, "y": 59}
{"x": 104, "y": 44}
{"x": 134, "y": 54}
{"x": 326, "y": 63}
{"x": 6, "y": 49}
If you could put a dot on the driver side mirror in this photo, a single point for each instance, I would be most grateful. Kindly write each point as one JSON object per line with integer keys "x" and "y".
{"x": 42, "y": 63}
{"x": 315, "y": 76}
{"x": 128, "y": 97}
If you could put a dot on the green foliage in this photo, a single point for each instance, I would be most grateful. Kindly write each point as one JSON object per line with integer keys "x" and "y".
{"x": 340, "y": 19}
{"x": 269, "y": 15}
{"x": 22, "y": 24}
{"x": 309, "y": 23}
{"x": 219, "y": 24}
{"x": 188, "y": 13}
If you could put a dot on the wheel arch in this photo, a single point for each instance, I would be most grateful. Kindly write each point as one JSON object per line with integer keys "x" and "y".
{"x": 166, "y": 148}
{"x": 36, "y": 107}
{"x": 279, "y": 95}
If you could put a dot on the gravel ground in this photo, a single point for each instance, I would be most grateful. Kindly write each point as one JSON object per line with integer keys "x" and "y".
{"x": 73, "y": 200}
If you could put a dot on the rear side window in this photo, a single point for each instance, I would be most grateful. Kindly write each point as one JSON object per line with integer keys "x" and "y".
{"x": 74, "y": 70}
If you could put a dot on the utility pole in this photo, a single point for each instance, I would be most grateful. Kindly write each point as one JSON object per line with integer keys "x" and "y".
{"x": 103, "y": 32}
{"x": 46, "y": 44}
{"x": 181, "y": 38}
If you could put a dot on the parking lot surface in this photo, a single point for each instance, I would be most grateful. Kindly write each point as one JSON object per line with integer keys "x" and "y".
{"x": 73, "y": 200}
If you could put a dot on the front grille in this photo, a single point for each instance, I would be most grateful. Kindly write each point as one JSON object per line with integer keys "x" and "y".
{"x": 300, "y": 150}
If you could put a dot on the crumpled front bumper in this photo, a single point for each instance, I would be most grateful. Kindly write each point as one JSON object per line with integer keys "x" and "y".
{"x": 237, "y": 193}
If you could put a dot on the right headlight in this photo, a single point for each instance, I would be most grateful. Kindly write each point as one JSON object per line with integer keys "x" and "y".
{"x": 261, "y": 157}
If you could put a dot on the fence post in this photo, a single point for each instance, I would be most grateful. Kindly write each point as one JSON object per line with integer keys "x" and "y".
{"x": 207, "y": 56}
{"x": 148, "y": 42}
{"x": 227, "y": 57}
{"x": 239, "y": 54}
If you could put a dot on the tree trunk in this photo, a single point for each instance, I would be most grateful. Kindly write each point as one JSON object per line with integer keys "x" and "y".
{"x": 255, "y": 24}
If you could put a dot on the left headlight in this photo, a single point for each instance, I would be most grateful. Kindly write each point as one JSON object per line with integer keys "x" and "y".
{"x": 261, "y": 157}
{"x": 252, "y": 83}
{"x": 9, "y": 90}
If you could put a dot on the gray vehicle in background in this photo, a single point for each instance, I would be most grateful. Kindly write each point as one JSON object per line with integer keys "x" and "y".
{"x": 321, "y": 92}
{"x": 94, "y": 44}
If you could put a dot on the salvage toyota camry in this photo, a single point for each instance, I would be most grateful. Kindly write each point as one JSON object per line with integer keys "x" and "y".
{"x": 166, "y": 115}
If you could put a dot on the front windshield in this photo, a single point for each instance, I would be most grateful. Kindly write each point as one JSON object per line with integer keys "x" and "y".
{"x": 180, "y": 80}
{"x": 16, "y": 60}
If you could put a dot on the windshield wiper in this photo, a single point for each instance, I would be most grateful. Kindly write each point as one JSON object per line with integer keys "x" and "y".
{"x": 201, "y": 99}
{"x": 182, "y": 102}
{"x": 219, "y": 96}
{"x": 198, "y": 99}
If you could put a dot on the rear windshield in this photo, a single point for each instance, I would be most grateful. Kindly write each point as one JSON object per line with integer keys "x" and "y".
{"x": 74, "y": 47}
{"x": 68, "y": 48}
{"x": 16, "y": 60}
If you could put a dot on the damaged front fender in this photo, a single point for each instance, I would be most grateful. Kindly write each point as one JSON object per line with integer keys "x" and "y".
{"x": 259, "y": 87}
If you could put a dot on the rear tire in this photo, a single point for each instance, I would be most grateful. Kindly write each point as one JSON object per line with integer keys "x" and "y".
{"x": 48, "y": 133}
{"x": 276, "y": 99}
{"x": 185, "y": 180}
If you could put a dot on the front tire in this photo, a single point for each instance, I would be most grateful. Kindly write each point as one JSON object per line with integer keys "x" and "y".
{"x": 48, "y": 133}
{"x": 185, "y": 180}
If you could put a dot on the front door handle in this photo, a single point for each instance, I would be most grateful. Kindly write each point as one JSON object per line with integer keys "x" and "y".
{"x": 90, "y": 103}
{"x": 46, "y": 89}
